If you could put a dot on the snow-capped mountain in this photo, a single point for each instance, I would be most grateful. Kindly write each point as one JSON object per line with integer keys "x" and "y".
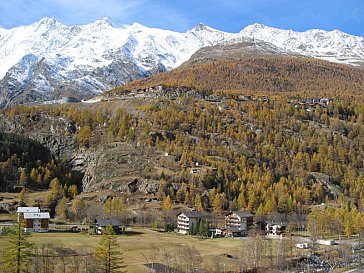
{"x": 334, "y": 46}
{"x": 48, "y": 59}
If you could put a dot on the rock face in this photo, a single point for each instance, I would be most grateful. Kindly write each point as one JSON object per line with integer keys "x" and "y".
{"x": 54, "y": 133}
{"x": 119, "y": 167}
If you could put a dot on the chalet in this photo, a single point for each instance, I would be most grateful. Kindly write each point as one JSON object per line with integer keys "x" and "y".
{"x": 5, "y": 207}
{"x": 21, "y": 210}
{"x": 232, "y": 232}
{"x": 101, "y": 223}
{"x": 216, "y": 232}
{"x": 242, "y": 220}
{"x": 275, "y": 229}
{"x": 325, "y": 101}
{"x": 187, "y": 221}
{"x": 246, "y": 97}
{"x": 195, "y": 170}
{"x": 36, "y": 221}
{"x": 213, "y": 98}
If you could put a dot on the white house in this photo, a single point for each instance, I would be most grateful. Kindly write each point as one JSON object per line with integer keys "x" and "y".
{"x": 36, "y": 221}
{"x": 242, "y": 220}
{"x": 21, "y": 210}
{"x": 187, "y": 221}
{"x": 275, "y": 229}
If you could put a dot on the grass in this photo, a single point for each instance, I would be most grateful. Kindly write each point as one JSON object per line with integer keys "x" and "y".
{"x": 140, "y": 245}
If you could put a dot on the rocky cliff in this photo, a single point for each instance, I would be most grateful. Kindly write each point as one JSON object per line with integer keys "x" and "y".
{"x": 117, "y": 166}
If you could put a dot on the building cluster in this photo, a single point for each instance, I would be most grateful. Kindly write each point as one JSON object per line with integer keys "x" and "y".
{"x": 167, "y": 92}
{"x": 62, "y": 100}
{"x": 235, "y": 224}
{"x": 310, "y": 104}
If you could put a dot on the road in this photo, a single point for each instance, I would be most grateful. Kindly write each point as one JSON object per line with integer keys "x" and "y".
{"x": 356, "y": 270}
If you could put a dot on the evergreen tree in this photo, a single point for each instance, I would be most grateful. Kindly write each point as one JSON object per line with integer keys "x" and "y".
{"x": 203, "y": 228}
{"x": 114, "y": 205}
{"x": 23, "y": 180}
{"x": 62, "y": 209}
{"x": 217, "y": 204}
{"x": 84, "y": 134}
{"x": 108, "y": 253}
{"x": 77, "y": 206}
{"x": 23, "y": 197}
{"x": 198, "y": 202}
{"x": 167, "y": 204}
{"x": 17, "y": 254}
{"x": 72, "y": 191}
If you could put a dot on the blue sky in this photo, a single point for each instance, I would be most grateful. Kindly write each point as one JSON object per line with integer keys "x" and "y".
{"x": 180, "y": 15}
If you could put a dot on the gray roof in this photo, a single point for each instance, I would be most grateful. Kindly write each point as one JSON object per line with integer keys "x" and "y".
{"x": 27, "y": 209}
{"x": 36, "y": 215}
{"x": 103, "y": 222}
{"x": 242, "y": 213}
{"x": 233, "y": 229}
{"x": 192, "y": 214}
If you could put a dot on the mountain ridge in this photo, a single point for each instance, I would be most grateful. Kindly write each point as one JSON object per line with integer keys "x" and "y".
{"x": 47, "y": 59}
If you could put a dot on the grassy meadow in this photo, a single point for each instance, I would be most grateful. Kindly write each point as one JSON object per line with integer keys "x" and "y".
{"x": 141, "y": 246}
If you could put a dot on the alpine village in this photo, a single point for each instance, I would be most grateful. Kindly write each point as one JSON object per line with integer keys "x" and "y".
{"x": 242, "y": 156}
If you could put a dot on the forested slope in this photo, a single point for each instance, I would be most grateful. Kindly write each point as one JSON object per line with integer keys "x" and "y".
{"x": 265, "y": 74}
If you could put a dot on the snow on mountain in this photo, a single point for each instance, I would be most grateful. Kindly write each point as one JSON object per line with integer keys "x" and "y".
{"x": 48, "y": 59}
{"x": 335, "y": 46}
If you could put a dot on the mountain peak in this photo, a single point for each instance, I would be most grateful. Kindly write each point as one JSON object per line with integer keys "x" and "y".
{"x": 49, "y": 21}
{"x": 104, "y": 21}
{"x": 45, "y": 24}
{"x": 200, "y": 26}
{"x": 256, "y": 27}
{"x": 135, "y": 26}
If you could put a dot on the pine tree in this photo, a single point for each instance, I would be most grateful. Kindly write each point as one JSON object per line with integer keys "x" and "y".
{"x": 84, "y": 134}
{"x": 167, "y": 204}
{"x": 17, "y": 254}
{"x": 56, "y": 189}
{"x": 23, "y": 180}
{"x": 241, "y": 201}
{"x": 108, "y": 253}
{"x": 198, "y": 202}
{"x": 108, "y": 209}
{"x": 62, "y": 209}
{"x": 217, "y": 204}
{"x": 72, "y": 191}
{"x": 114, "y": 205}
{"x": 77, "y": 206}
{"x": 23, "y": 197}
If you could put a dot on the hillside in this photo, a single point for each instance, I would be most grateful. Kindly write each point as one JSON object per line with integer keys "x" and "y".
{"x": 260, "y": 155}
{"x": 266, "y": 73}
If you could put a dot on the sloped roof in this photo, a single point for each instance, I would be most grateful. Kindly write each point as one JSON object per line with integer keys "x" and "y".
{"x": 192, "y": 214}
{"x": 103, "y": 222}
{"x": 36, "y": 215}
{"x": 27, "y": 209}
{"x": 233, "y": 229}
{"x": 241, "y": 213}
